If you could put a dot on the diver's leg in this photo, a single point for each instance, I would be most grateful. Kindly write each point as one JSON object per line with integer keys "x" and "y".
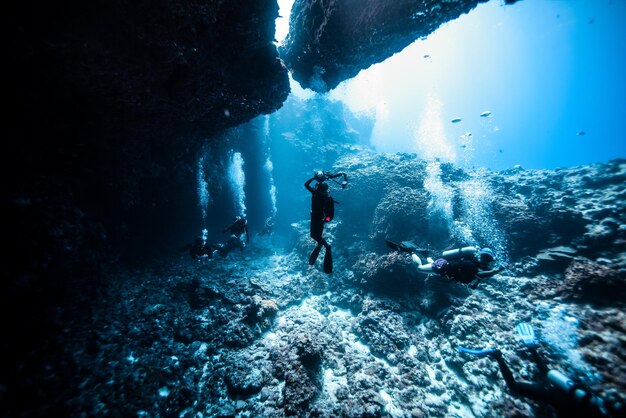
{"x": 541, "y": 364}
{"x": 328, "y": 260}
{"x": 504, "y": 369}
{"x": 317, "y": 227}
{"x": 315, "y": 254}
{"x": 423, "y": 268}
{"x": 328, "y": 257}
{"x": 530, "y": 390}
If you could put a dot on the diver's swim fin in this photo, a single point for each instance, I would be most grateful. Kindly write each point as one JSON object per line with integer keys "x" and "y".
{"x": 526, "y": 333}
{"x": 328, "y": 261}
{"x": 393, "y": 245}
{"x": 314, "y": 254}
{"x": 484, "y": 352}
{"x": 406, "y": 246}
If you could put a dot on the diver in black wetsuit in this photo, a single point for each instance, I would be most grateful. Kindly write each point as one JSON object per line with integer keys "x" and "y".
{"x": 321, "y": 204}
{"x": 238, "y": 228}
{"x": 569, "y": 399}
{"x": 201, "y": 249}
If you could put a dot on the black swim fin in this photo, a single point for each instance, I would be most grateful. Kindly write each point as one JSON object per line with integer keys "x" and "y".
{"x": 314, "y": 254}
{"x": 407, "y": 247}
{"x": 328, "y": 261}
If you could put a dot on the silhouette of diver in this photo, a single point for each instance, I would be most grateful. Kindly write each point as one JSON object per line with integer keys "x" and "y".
{"x": 569, "y": 398}
{"x": 322, "y": 211}
{"x": 201, "y": 249}
{"x": 238, "y": 228}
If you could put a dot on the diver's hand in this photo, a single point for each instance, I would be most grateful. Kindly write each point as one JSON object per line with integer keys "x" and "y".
{"x": 500, "y": 269}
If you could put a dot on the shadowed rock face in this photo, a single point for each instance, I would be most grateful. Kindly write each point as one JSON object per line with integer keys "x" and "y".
{"x": 168, "y": 64}
{"x": 331, "y": 41}
{"x": 109, "y": 102}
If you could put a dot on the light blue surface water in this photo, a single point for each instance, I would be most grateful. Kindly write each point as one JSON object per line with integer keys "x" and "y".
{"x": 549, "y": 73}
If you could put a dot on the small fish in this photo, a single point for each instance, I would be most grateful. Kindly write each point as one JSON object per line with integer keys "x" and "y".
{"x": 456, "y": 120}
{"x": 426, "y": 55}
{"x": 485, "y": 113}
{"x": 580, "y": 133}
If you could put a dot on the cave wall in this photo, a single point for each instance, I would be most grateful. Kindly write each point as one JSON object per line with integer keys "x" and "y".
{"x": 110, "y": 103}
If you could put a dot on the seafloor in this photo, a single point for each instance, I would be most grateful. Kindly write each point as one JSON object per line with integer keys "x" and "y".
{"x": 262, "y": 333}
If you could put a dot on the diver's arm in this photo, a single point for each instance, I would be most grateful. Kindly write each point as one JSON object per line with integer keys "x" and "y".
{"x": 532, "y": 390}
{"x": 484, "y": 275}
{"x": 334, "y": 176}
{"x": 344, "y": 183}
{"x": 489, "y": 273}
{"x": 247, "y": 234}
{"x": 308, "y": 184}
{"x": 539, "y": 361}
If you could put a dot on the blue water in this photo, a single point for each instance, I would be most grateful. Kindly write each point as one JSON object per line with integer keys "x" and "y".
{"x": 550, "y": 72}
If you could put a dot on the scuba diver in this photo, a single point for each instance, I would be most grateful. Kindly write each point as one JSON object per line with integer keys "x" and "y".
{"x": 237, "y": 228}
{"x": 322, "y": 211}
{"x": 569, "y": 398}
{"x": 201, "y": 249}
{"x": 267, "y": 227}
{"x": 467, "y": 265}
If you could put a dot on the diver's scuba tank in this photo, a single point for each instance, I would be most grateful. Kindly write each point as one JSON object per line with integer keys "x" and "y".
{"x": 458, "y": 252}
{"x": 567, "y": 385}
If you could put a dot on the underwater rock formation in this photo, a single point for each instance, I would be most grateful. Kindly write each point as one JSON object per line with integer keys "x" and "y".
{"x": 331, "y": 41}
{"x": 400, "y": 196}
{"x": 109, "y": 104}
